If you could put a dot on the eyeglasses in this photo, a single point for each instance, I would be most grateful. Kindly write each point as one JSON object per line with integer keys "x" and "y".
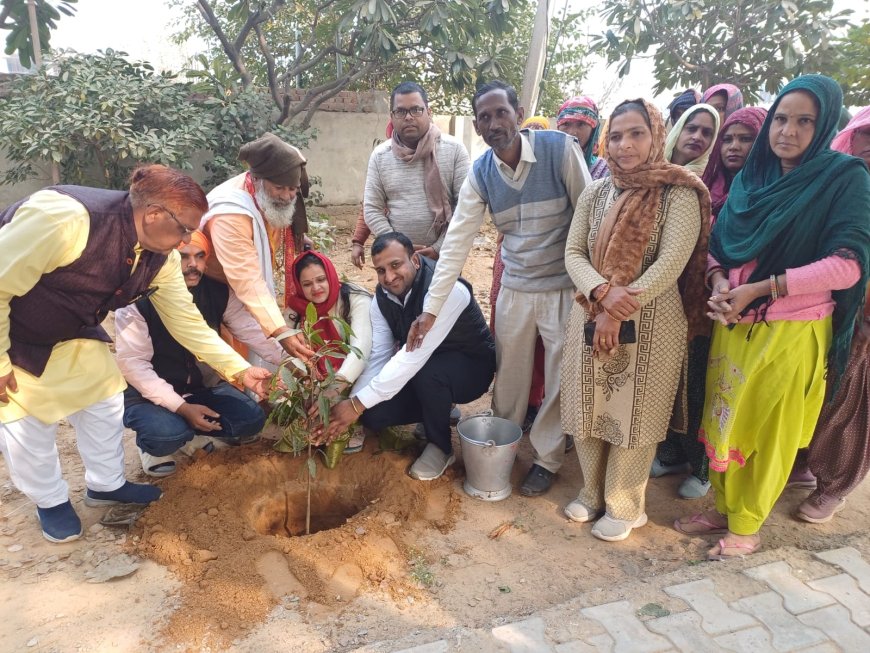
{"x": 185, "y": 231}
{"x": 403, "y": 113}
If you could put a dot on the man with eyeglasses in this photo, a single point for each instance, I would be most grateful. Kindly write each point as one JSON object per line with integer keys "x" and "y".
{"x": 172, "y": 402}
{"x": 251, "y": 218}
{"x": 68, "y": 256}
{"x": 413, "y": 178}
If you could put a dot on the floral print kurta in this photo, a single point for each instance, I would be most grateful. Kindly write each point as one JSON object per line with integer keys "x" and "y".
{"x": 627, "y": 400}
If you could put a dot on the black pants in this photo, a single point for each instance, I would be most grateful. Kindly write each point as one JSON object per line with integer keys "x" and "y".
{"x": 447, "y": 378}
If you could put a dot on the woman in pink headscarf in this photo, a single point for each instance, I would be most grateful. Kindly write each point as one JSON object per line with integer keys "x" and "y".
{"x": 839, "y": 453}
{"x": 578, "y": 117}
{"x": 725, "y": 98}
{"x": 729, "y": 153}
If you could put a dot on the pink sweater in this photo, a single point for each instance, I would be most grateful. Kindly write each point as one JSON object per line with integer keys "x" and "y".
{"x": 809, "y": 287}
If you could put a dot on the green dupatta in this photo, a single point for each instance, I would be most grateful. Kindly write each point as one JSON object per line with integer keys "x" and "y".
{"x": 820, "y": 208}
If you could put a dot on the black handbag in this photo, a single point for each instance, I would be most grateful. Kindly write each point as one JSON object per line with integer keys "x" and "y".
{"x": 627, "y": 334}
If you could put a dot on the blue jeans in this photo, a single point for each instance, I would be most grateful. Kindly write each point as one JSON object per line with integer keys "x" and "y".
{"x": 161, "y": 432}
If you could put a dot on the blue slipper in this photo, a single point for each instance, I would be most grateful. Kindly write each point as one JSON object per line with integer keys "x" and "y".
{"x": 138, "y": 493}
{"x": 60, "y": 523}
{"x": 693, "y": 488}
{"x": 658, "y": 469}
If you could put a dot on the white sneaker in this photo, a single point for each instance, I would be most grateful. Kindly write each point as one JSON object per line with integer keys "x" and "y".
{"x": 611, "y": 529}
{"x": 200, "y": 443}
{"x": 156, "y": 466}
{"x": 580, "y": 512}
{"x": 431, "y": 464}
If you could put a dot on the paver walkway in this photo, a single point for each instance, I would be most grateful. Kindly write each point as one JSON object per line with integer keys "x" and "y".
{"x": 831, "y": 613}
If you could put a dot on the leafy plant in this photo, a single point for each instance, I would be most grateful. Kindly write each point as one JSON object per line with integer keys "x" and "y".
{"x": 298, "y": 386}
{"x": 755, "y": 44}
{"x": 99, "y": 111}
{"x": 15, "y": 18}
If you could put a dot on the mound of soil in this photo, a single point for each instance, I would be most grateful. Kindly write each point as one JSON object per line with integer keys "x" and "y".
{"x": 232, "y": 527}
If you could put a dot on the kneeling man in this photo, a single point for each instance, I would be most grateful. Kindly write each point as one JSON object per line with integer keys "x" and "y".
{"x": 171, "y": 398}
{"x": 403, "y": 387}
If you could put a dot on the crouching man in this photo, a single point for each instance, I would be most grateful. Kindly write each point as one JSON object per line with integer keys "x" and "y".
{"x": 403, "y": 387}
{"x": 172, "y": 402}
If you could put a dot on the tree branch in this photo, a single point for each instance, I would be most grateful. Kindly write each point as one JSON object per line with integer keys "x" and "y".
{"x": 231, "y": 51}
{"x": 270, "y": 67}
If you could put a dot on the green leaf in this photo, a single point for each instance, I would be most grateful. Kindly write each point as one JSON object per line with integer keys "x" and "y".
{"x": 311, "y": 314}
{"x": 312, "y": 468}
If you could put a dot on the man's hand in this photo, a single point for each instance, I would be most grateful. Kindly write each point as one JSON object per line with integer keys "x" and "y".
{"x": 358, "y": 255}
{"x": 332, "y": 393}
{"x": 419, "y": 328}
{"x": 295, "y": 346}
{"x": 342, "y": 415}
{"x": 257, "y": 380}
{"x": 202, "y": 419}
{"x": 7, "y": 384}
{"x": 307, "y": 243}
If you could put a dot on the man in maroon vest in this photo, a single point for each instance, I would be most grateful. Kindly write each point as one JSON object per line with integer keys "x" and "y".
{"x": 68, "y": 256}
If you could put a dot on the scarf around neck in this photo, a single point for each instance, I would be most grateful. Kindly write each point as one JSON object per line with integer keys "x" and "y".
{"x": 715, "y": 177}
{"x": 436, "y": 191}
{"x": 819, "y": 209}
{"x": 635, "y": 220}
{"x": 696, "y": 165}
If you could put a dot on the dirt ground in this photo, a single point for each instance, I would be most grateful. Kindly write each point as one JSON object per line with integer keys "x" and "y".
{"x": 218, "y": 562}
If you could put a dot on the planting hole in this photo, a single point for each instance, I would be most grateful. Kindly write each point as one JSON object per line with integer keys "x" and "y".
{"x": 282, "y": 513}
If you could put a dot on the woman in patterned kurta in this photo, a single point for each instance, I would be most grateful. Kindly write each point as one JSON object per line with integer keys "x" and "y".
{"x": 631, "y": 239}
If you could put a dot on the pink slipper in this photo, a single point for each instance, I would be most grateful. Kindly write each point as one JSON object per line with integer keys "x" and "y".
{"x": 709, "y": 528}
{"x": 747, "y": 549}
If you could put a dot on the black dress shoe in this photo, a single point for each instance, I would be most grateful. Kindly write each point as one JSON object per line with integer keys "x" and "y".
{"x": 538, "y": 481}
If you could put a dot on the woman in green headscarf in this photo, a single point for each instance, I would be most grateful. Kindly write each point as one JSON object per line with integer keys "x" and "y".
{"x": 691, "y": 140}
{"x": 789, "y": 255}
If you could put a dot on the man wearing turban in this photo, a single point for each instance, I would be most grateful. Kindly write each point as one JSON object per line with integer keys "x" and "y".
{"x": 173, "y": 402}
{"x": 252, "y": 217}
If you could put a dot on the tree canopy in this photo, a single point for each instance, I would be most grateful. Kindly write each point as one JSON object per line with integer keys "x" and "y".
{"x": 14, "y": 17}
{"x": 81, "y": 111}
{"x": 328, "y": 46}
{"x": 755, "y": 44}
{"x": 852, "y": 68}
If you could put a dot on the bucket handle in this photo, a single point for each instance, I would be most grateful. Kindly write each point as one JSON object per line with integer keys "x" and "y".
{"x": 489, "y": 443}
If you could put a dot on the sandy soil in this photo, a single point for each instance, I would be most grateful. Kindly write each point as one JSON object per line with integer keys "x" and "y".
{"x": 220, "y": 564}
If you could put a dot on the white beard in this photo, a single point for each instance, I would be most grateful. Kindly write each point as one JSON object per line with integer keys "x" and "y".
{"x": 278, "y": 214}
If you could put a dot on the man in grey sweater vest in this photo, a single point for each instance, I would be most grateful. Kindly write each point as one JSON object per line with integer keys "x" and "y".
{"x": 530, "y": 182}
{"x": 413, "y": 179}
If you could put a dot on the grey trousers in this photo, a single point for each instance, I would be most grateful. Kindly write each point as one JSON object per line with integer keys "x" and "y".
{"x": 521, "y": 317}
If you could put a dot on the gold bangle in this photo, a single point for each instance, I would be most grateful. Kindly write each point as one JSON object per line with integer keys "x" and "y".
{"x": 355, "y": 409}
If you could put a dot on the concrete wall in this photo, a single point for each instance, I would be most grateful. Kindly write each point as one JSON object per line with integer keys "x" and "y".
{"x": 339, "y": 156}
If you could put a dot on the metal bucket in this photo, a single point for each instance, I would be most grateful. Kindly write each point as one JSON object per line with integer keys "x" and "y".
{"x": 489, "y": 448}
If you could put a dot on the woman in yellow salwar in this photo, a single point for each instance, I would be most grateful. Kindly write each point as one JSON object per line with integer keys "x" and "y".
{"x": 634, "y": 235}
{"x": 788, "y": 264}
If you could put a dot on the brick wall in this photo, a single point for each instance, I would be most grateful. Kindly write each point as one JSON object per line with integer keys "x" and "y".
{"x": 348, "y": 101}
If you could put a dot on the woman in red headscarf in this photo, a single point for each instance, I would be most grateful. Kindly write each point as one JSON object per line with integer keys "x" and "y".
{"x": 317, "y": 282}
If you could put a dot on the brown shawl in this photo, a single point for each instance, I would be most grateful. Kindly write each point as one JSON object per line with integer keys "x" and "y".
{"x": 436, "y": 192}
{"x": 633, "y": 218}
